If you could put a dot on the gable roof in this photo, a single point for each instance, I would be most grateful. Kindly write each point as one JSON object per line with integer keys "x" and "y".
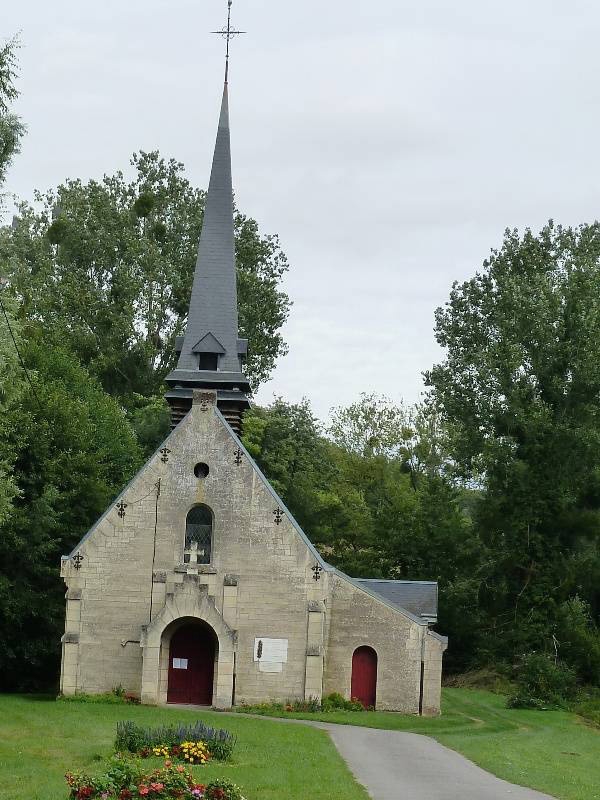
{"x": 208, "y": 344}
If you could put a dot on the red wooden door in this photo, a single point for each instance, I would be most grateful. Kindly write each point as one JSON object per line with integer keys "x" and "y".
{"x": 364, "y": 676}
{"x": 191, "y": 666}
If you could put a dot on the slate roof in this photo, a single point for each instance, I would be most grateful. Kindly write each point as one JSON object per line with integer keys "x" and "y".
{"x": 213, "y": 313}
{"x": 418, "y": 597}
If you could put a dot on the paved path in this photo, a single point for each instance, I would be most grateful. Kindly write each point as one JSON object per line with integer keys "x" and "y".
{"x": 393, "y": 765}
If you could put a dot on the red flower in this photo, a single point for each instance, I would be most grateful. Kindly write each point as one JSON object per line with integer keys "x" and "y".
{"x": 143, "y": 790}
{"x": 125, "y": 794}
{"x": 157, "y": 787}
{"x": 85, "y": 791}
{"x": 218, "y": 794}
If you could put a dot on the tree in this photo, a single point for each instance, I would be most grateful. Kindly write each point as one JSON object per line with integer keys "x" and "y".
{"x": 12, "y": 381}
{"x": 373, "y": 498}
{"x": 285, "y": 440}
{"x": 519, "y": 390}
{"x": 106, "y": 267}
{"x": 11, "y": 127}
{"x": 68, "y": 449}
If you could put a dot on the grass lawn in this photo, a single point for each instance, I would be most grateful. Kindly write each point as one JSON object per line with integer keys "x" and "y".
{"x": 40, "y": 739}
{"x": 552, "y": 751}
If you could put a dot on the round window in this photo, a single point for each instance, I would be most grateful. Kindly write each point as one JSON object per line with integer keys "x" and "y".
{"x": 201, "y": 470}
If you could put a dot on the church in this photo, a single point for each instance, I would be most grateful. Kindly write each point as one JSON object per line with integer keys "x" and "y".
{"x": 197, "y": 585}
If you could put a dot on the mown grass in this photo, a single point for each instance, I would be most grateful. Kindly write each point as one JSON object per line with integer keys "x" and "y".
{"x": 553, "y": 751}
{"x": 40, "y": 739}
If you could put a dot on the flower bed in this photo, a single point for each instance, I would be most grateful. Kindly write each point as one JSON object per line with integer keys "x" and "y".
{"x": 126, "y": 779}
{"x": 331, "y": 702}
{"x": 192, "y": 752}
{"x": 170, "y": 739}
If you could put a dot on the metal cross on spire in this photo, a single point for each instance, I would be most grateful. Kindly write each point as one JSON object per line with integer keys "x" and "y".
{"x": 228, "y": 33}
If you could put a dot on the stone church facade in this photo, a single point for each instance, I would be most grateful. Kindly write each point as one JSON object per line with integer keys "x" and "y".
{"x": 197, "y": 585}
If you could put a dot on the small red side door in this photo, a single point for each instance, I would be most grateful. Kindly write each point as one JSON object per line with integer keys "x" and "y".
{"x": 364, "y": 676}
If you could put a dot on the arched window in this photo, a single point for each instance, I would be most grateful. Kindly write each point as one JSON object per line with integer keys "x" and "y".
{"x": 198, "y": 535}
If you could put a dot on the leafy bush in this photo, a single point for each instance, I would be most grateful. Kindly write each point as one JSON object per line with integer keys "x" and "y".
{"x": 588, "y": 705}
{"x": 133, "y": 738}
{"x": 126, "y": 780}
{"x": 331, "y": 702}
{"x": 337, "y": 702}
{"x": 520, "y": 700}
{"x": 311, "y": 705}
{"x": 492, "y": 679}
{"x": 117, "y": 696}
{"x": 579, "y": 639}
{"x": 542, "y": 681}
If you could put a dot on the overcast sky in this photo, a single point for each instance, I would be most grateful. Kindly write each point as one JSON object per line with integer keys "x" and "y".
{"x": 388, "y": 144}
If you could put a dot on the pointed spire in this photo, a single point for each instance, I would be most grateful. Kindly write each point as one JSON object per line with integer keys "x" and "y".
{"x": 213, "y": 315}
{"x": 213, "y": 304}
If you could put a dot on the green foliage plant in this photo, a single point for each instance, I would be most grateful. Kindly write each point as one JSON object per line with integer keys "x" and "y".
{"x": 105, "y": 268}
{"x": 337, "y": 702}
{"x": 66, "y": 449}
{"x": 543, "y": 681}
{"x": 578, "y": 638}
{"x": 125, "y": 779}
{"x": 11, "y": 127}
{"x": 518, "y": 394}
{"x": 133, "y": 738}
{"x": 329, "y": 703}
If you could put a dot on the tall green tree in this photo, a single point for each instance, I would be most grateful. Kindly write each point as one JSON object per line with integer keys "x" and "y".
{"x": 11, "y": 127}
{"x": 519, "y": 389}
{"x": 106, "y": 267}
{"x": 67, "y": 448}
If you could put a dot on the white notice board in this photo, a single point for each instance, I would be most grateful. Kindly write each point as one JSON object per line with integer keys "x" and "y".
{"x": 273, "y": 651}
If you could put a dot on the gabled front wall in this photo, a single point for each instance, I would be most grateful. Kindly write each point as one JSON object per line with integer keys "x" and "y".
{"x": 260, "y": 577}
{"x": 132, "y": 584}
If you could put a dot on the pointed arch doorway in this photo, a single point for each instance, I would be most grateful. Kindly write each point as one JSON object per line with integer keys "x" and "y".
{"x": 192, "y": 653}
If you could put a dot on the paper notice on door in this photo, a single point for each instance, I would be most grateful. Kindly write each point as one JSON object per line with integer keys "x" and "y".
{"x": 180, "y": 663}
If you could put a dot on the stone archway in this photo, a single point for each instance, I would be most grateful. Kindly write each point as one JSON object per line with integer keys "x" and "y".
{"x": 190, "y": 602}
{"x": 191, "y": 647}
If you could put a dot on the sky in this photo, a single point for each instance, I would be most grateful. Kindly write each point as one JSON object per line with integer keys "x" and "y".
{"x": 388, "y": 144}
